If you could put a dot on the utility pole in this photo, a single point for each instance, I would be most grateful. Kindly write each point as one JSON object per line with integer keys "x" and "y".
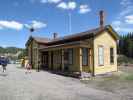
{"x": 70, "y": 21}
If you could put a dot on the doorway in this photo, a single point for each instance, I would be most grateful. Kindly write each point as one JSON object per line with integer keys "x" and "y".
{"x": 44, "y": 61}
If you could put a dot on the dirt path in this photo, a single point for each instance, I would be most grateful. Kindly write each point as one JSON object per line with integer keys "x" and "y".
{"x": 16, "y": 85}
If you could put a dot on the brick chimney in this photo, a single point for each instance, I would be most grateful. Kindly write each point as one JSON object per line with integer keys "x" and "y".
{"x": 55, "y": 35}
{"x": 102, "y": 17}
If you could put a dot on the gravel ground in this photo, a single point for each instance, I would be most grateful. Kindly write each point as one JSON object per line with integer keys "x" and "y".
{"x": 16, "y": 85}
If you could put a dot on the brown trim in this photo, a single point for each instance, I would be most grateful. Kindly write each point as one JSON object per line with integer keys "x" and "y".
{"x": 112, "y": 63}
{"x": 87, "y": 57}
{"x": 110, "y": 30}
{"x": 93, "y": 58}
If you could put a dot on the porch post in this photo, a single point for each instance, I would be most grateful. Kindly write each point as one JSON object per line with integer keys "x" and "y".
{"x": 80, "y": 59}
{"x": 62, "y": 59}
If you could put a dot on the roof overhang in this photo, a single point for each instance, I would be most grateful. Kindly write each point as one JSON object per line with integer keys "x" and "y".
{"x": 29, "y": 41}
{"x": 112, "y": 32}
{"x": 65, "y": 46}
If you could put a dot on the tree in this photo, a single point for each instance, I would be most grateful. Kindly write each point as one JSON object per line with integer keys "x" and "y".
{"x": 125, "y": 45}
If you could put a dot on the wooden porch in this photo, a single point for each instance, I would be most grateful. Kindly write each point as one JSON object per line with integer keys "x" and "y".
{"x": 67, "y": 57}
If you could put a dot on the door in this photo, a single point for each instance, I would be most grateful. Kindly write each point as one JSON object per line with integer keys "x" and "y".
{"x": 45, "y": 60}
{"x": 66, "y": 65}
{"x": 51, "y": 60}
{"x": 68, "y": 58}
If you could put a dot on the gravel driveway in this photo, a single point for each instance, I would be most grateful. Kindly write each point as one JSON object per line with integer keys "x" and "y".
{"x": 16, "y": 85}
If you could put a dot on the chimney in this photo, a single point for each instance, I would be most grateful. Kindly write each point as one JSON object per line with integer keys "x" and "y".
{"x": 102, "y": 16}
{"x": 55, "y": 35}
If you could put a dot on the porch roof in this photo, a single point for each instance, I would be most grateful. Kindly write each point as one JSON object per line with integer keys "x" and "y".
{"x": 65, "y": 45}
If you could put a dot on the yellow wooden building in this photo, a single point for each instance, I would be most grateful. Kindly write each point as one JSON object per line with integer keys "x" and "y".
{"x": 93, "y": 51}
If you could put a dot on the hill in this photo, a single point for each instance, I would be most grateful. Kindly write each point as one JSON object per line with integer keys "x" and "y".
{"x": 12, "y": 50}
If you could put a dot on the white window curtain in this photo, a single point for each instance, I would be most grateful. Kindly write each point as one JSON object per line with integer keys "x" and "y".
{"x": 101, "y": 55}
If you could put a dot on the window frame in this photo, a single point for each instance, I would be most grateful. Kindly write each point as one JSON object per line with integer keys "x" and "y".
{"x": 99, "y": 63}
{"x": 112, "y": 55}
{"x": 86, "y": 57}
{"x": 70, "y": 50}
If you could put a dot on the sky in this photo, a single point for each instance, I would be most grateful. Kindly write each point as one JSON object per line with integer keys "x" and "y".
{"x": 49, "y": 16}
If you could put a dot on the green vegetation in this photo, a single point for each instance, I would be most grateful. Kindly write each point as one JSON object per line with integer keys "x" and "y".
{"x": 129, "y": 77}
{"x": 13, "y": 53}
{"x": 125, "y": 45}
{"x": 12, "y": 50}
{"x": 120, "y": 82}
{"x": 22, "y": 54}
{"x": 125, "y": 49}
{"x": 122, "y": 59}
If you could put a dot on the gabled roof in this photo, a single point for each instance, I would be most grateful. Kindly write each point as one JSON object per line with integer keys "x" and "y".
{"x": 41, "y": 39}
{"x": 83, "y": 35}
{"x": 38, "y": 40}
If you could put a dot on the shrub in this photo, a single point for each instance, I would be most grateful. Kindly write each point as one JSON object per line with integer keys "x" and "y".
{"x": 122, "y": 59}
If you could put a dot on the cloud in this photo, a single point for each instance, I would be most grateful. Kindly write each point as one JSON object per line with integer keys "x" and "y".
{"x": 127, "y": 7}
{"x": 1, "y": 27}
{"x": 67, "y": 6}
{"x": 120, "y": 26}
{"x": 11, "y": 25}
{"x": 125, "y": 2}
{"x": 50, "y": 1}
{"x": 84, "y": 9}
{"x": 62, "y": 5}
{"x": 72, "y": 5}
{"x": 36, "y": 24}
{"x": 125, "y": 18}
{"x": 123, "y": 29}
{"x": 129, "y": 19}
{"x": 116, "y": 24}
{"x": 127, "y": 10}
{"x": 4, "y": 24}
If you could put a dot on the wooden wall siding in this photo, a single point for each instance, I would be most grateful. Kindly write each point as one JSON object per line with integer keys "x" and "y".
{"x": 29, "y": 54}
{"x": 49, "y": 60}
{"x": 88, "y": 68}
{"x": 57, "y": 60}
{"x": 58, "y": 56}
{"x": 104, "y": 39}
{"x": 107, "y": 41}
{"x": 33, "y": 54}
{"x": 76, "y": 65}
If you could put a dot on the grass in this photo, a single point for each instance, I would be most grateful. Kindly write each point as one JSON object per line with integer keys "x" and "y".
{"x": 120, "y": 82}
{"x": 129, "y": 77}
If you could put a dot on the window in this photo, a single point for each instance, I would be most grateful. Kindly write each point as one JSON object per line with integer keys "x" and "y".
{"x": 111, "y": 55}
{"x": 100, "y": 55}
{"x": 70, "y": 56}
{"x": 84, "y": 56}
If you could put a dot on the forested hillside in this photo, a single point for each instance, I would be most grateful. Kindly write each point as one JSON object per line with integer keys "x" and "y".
{"x": 12, "y": 50}
{"x": 126, "y": 45}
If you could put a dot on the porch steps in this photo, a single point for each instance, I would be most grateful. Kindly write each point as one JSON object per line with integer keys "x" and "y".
{"x": 85, "y": 75}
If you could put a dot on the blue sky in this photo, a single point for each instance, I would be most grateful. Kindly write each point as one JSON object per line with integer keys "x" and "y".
{"x": 49, "y": 16}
